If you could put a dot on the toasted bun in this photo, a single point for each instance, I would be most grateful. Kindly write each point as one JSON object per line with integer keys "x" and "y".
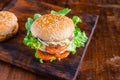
{"x": 52, "y": 27}
{"x": 8, "y": 25}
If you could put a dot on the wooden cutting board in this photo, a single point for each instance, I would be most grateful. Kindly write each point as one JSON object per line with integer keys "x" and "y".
{"x": 15, "y": 52}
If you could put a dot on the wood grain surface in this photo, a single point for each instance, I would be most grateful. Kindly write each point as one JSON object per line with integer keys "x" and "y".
{"x": 23, "y": 56}
{"x": 102, "y": 60}
{"x": 4, "y": 3}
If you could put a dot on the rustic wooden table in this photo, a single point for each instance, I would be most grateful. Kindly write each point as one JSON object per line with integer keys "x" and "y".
{"x": 102, "y": 60}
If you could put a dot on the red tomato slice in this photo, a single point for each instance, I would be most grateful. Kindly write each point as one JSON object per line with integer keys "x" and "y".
{"x": 63, "y": 55}
{"x": 44, "y": 56}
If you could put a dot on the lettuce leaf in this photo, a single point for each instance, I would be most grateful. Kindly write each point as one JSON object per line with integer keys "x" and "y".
{"x": 29, "y": 40}
{"x": 61, "y": 12}
{"x": 78, "y": 40}
{"x": 28, "y": 24}
{"x": 32, "y": 42}
{"x": 36, "y": 16}
{"x": 76, "y": 20}
{"x": 79, "y": 37}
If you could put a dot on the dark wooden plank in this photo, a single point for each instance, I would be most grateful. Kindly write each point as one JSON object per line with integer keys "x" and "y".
{"x": 22, "y": 56}
{"x": 86, "y": 2}
{"x": 4, "y": 3}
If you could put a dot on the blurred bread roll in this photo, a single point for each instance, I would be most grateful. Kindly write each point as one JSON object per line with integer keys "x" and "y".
{"x": 8, "y": 25}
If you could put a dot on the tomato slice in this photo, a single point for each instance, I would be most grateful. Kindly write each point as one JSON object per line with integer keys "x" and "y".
{"x": 49, "y": 56}
{"x": 63, "y": 55}
{"x": 54, "y": 50}
{"x": 51, "y": 50}
{"x": 45, "y": 56}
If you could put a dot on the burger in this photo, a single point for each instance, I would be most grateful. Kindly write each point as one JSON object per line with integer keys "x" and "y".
{"x": 54, "y": 36}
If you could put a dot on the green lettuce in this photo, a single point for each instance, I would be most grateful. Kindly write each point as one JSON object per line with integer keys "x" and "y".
{"x": 76, "y": 20}
{"x": 79, "y": 37}
{"x": 61, "y": 12}
{"x": 29, "y": 40}
{"x": 78, "y": 40}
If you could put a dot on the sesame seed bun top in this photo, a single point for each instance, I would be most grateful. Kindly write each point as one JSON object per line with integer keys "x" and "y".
{"x": 52, "y": 27}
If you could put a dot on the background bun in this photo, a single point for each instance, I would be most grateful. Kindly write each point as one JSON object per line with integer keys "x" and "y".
{"x": 8, "y": 25}
{"x": 52, "y": 27}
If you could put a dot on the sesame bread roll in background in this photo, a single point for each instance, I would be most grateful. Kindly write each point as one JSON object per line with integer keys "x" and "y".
{"x": 8, "y": 25}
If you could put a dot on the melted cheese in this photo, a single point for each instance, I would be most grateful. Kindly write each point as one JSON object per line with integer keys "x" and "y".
{"x": 61, "y": 43}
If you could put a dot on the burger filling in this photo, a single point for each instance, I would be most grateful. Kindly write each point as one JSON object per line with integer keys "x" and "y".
{"x": 56, "y": 45}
